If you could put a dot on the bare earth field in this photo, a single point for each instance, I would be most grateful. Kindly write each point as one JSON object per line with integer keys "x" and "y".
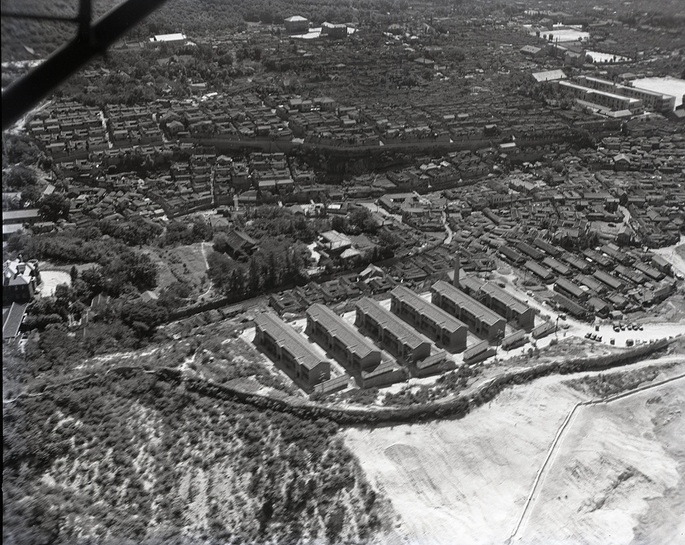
{"x": 185, "y": 264}
{"x": 618, "y": 476}
{"x": 466, "y": 481}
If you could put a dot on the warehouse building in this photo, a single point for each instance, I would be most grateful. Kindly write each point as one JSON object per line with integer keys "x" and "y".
{"x": 385, "y": 374}
{"x": 400, "y": 339}
{"x": 481, "y": 320}
{"x": 569, "y": 305}
{"x": 429, "y": 319}
{"x": 354, "y": 351}
{"x": 290, "y": 351}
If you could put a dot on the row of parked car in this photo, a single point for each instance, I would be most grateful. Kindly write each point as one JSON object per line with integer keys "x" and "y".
{"x": 630, "y": 327}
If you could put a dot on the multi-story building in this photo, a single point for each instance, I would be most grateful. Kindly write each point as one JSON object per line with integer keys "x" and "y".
{"x": 338, "y": 337}
{"x": 428, "y": 318}
{"x": 481, "y": 320}
{"x": 290, "y": 351}
{"x": 400, "y": 339}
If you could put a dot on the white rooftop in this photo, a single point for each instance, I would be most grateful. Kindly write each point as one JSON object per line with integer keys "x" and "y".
{"x": 178, "y": 36}
{"x": 549, "y": 75}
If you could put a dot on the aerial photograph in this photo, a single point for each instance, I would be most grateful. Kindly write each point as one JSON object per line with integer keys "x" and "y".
{"x": 343, "y": 272}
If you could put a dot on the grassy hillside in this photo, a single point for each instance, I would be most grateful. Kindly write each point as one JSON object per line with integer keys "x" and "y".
{"x": 137, "y": 461}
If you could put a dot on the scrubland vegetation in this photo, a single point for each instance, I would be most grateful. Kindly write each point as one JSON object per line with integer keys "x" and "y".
{"x": 138, "y": 461}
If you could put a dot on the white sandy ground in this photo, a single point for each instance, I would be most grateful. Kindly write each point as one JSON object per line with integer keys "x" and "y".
{"x": 618, "y": 475}
{"x": 466, "y": 481}
{"x": 51, "y": 279}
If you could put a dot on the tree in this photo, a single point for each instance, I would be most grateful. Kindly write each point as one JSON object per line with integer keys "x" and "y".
{"x": 54, "y": 207}
{"x": 20, "y": 149}
{"x": 31, "y": 195}
{"x": 20, "y": 177}
{"x": 149, "y": 314}
{"x": 362, "y": 219}
{"x": 254, "y": 278}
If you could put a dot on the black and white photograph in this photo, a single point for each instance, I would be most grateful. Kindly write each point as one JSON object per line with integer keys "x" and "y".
{"x": 343, "y": 272}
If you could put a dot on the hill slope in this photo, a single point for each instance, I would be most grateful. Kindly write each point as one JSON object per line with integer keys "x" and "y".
{"x": 137, "y": 461}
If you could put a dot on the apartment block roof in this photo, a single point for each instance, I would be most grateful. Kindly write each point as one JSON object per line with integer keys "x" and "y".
{"x": 404, "y": 333}
{"x": 470, "y": 283}
{"x": 354, "y": 341}
{"x": 508, "y": 300}
{"x": 287, "y": 338}
{"x": 433, "y": 313}
{"x": 459, "y": 298}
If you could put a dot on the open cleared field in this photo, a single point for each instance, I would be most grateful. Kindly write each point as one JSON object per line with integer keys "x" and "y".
{"x": 618, "y": 476}
{"x": 186, "y": 264}
{"x": 466, "y": 481}
{"x": 52, "y": 279}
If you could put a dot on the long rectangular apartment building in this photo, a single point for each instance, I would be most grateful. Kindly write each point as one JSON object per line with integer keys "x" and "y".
{"x": 606, "y": 99}
{"x": 499, "y": 300}
{"x": 659, "y": 102}
{"x": 354, "y": 351}
{"x": 393, "y": 333}
{"x": 289, "y": 350}
{"x": 507, "y": 305}
{"x": 481, "y": 320}
{"x": 429, "y": 319}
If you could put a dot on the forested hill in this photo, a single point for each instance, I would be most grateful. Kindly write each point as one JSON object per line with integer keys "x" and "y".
{"x": 30, "y": 39}
{"x": 137, "y": 461}
{"x": 194, "y": 17}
